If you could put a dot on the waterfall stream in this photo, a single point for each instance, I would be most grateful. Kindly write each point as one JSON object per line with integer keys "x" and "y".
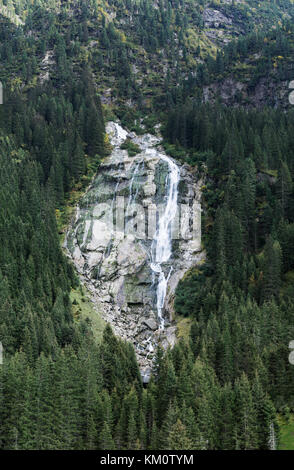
{"x": 108, "y": 248}
{"x": 121, "y": 241}
{"x": 161, "y": 247}
{"x": 132, "y": 197}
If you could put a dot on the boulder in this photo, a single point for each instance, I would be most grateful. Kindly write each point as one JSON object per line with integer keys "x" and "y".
{"x": 117, "y": 135}
{"x": 151, "y": 324}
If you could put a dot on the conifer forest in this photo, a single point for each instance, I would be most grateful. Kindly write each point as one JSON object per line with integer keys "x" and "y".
{"x": 114, "y": 341}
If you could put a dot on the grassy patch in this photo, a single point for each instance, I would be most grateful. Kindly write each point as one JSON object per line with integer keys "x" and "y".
{"x": 64, "y": 214}
{"x": 286, "y": 433}
{"x": 184, "y": 326}
{"x": 83, "y": 309}
{"x": 133, "y": 149}
{"x": 66, "y": 211}
{"x": 175, "y": 151}
{"x": 273, "y": 173}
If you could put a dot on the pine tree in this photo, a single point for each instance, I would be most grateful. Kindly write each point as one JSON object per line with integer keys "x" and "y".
{"x": 178, "y": 438}
{"x": 284, "y": 186}
{"x": 105, "y": 439}
{"x": 272, "y": 269}
{"x": 247, "y": 419}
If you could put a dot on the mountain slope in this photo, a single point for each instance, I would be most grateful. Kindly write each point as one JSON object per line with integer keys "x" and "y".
{"x": 223, "y": 382}
{"x": 136, "y": 50}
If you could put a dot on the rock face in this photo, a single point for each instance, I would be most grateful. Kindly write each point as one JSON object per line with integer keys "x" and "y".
{"x": 112, "y": 237}
{"x": 232, "y": 92}
{"x": 215, "y": 18}
{"x": 221, "y": 24}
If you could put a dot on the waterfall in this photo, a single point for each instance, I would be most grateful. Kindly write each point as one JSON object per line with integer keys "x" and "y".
{"x": 127, "y": 258}
{"x": 108, "y": 248}
{"x": 161, "y": 247}
{"x": 132, "y": 197}
{"x": 86, "y": 231}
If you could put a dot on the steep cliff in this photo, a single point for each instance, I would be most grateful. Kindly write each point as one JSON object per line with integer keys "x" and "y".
{"x": 137, "y": 230}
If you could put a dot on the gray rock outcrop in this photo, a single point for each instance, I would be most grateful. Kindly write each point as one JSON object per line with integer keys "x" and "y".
{"x": 110, "y": 240}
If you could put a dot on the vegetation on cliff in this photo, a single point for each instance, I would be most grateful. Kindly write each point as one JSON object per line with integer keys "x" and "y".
{"x": 65, "y": 66}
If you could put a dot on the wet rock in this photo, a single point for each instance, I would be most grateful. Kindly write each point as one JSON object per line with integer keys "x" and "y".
{"x": 116, "y": 133}
{"x": 149, "y": 188}
{"x": 151, "y": 324}
{"x": 146, "y": 141}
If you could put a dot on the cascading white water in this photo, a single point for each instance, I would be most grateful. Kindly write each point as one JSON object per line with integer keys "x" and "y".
{"x": 86, "y": 231}
{"x": 132, "y": 197}
{"x": 161, "y": 247}
{"x": 111, "y": 220}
